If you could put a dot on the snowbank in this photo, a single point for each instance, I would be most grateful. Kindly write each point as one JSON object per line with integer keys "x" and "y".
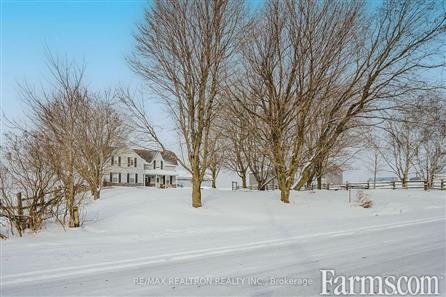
{"x": 136, "y": 222}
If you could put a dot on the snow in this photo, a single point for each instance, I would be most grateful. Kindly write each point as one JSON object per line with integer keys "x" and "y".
{"x": 134, "y": 232}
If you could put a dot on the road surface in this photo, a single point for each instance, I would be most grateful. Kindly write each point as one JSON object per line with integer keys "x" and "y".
{"x": 288, "y": 266}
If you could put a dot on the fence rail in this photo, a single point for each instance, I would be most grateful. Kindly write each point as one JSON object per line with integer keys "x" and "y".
{"x": 436, "y": 185}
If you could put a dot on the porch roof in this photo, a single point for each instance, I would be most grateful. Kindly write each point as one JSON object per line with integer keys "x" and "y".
{"x": 160, "y": 172}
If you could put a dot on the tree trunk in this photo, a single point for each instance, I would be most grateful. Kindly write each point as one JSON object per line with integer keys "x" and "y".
{"x": 319, "y": 182}
{"x": 96, "y": 194}
{"x": 375, "y": 170}
{"x": 284, "y": 194}
{"x": 214, "y": 177}
{"x": 404, "y": 181}
{"x": 283, "y": 187}
{"x": 69, "y": 193}
{"x": 196, "y": 190}
{"x": 305, "y": 176}
{"x": 243, "y": 176}
{"x": 73, "y": 219}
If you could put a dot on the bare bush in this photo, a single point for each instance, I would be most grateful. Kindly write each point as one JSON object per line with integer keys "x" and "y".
{"x": 27, "y": 183}
{"x": 363, "y": 200}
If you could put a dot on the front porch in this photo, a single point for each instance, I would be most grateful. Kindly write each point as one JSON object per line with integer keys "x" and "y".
{"x": 160, "y": 181}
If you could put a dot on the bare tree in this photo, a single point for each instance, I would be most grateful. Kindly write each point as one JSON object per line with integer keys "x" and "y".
{"x": 259, "y": 163}
{"x": 292, "y": 61}
{"x": 414, "y": 137}
{"x": 233, "y": 129}
{"x": 328, "y": 61}
{"x": 399, "y": 40}
{"x": 235, "y": 160}
{"x": 184, "y": 49}
{"x": 57, "y": 116}
{"x": 334, "y": 160}
{"x": 374, "y": 148}
{"x": 401, "y": 142}
{"x": 430, "y": 155}
{"x": 217, "y": 153}
{"x": 102, "y": 132}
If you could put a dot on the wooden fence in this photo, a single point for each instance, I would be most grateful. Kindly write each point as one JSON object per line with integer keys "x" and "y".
{"x": 24, "y": 209}
{"x": 437, "y": 185}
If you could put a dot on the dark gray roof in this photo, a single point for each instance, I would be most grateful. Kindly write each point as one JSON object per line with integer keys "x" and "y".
{"x": 148, "y": 155}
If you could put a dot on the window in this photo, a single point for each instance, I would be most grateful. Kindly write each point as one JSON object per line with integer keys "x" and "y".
{"x": 162, "y": 164}
{"x": 154, "y": 164}
{"x": 112, "y": 161}
{"x": 136, "y": 178}
{"x": 128, "y": 161}
{"x": 128, "y": 177}
{"x": 135, "y": 162}
{"x": 119, "y": 177}
{"x": 111, "y": 175}
{"x": 119, "y": 161}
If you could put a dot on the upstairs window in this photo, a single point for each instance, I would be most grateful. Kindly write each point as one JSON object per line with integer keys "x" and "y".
{"x": 112, "y": 161}
{"x": 154, "y": 164}
{"x": 119, "y": 161}
{"x": 162, "y": 164}
{"x": 128, "y": 161}
{"x": 135, "y": 162}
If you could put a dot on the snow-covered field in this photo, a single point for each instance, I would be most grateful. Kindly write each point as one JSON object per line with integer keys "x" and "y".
{"x": 135, "y": 236}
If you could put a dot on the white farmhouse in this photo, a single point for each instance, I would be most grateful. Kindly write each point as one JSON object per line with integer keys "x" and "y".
{"x": 138, "y": 167}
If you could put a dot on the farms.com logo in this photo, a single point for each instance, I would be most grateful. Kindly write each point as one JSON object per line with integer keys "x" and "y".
{"x": 368, "y": 285}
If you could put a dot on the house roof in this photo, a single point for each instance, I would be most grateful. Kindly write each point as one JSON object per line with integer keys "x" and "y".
{"x": 169, "y": 156}
{"x": 148, "y": 155}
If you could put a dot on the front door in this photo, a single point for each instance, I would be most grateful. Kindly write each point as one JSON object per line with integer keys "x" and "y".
{"x": 147, "y": 180}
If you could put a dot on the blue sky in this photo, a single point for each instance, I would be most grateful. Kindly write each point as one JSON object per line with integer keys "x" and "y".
{"x": 96, "y": 32}
{"x": 99, "y": 33}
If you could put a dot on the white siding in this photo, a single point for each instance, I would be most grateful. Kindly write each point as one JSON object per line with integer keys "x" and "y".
{"x": 125, "y": 169}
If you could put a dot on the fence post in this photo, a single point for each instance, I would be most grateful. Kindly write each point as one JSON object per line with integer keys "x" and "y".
{"x": 425, "y": 185}
{"x": 393, "y": 185}
{"x": 442, "y": 185}
{"x": 328, "y": 186}
{"x": 368, "y": 185}
{"x": 346, "y": 185}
